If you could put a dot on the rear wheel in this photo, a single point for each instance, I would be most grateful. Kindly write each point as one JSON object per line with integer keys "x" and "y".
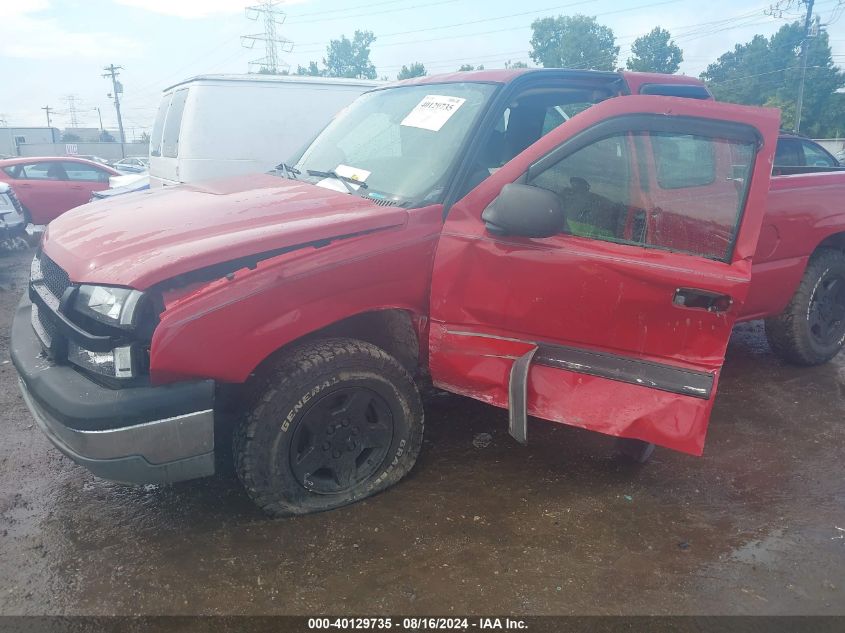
{"x": 811, "y": 330}
{"x": 340, "y": 420}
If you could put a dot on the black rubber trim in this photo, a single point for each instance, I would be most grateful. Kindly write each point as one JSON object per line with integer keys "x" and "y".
{"x": 79, "y": 403}
{"x": 518, "y": 397}
{"x": 627, "y": 123}
{"x": 70, "y": 330}
{"x": 686, "y": 382}
{"x": 686, "y": 91}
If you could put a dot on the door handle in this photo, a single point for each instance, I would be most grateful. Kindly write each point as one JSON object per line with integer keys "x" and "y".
{"x": 696, "y": 299}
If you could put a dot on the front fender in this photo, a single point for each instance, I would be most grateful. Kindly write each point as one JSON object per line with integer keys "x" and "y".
{"x": 223, "y": 329}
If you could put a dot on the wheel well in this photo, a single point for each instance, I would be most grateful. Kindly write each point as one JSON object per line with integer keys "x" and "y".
{"x": 392, "y": 330}
{"x": 837, "y": 240}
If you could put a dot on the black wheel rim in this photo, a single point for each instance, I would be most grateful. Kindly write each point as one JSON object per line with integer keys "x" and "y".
{"x": 341, "y": 440}
{"x": 826, "y": 315}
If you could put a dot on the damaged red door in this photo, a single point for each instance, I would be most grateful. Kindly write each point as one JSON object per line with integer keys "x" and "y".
{"x": 628, "y": 308}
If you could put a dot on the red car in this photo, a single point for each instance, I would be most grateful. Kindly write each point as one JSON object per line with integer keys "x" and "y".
{"x": 573, "y": 245}
{"x": 49, "y": 186}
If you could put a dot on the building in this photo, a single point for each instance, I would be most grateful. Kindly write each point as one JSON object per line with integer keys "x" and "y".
{"x": 11, "y": 138}
{"x": 83, "y": 134}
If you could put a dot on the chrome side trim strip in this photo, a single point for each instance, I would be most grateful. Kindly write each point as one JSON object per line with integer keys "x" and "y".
{"x": 661, "y": 376}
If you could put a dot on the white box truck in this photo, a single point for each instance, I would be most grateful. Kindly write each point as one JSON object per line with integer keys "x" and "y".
{"x": 212, "y": 126}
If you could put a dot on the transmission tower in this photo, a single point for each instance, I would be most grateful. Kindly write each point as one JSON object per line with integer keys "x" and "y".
{"x": 272, "y": 16}
{"x": 72, "y": 111}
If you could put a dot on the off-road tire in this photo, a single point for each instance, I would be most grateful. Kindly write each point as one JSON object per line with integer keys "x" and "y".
{"x": 789, "y": 333}
{"x": 301, "y": 384}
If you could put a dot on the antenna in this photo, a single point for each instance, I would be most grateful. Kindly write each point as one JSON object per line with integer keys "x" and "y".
{"x": 272, "y": 16}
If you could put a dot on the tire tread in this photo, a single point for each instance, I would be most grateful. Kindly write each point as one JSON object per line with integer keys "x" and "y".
{"x": 787, "y": 335}
{"x": 292, "y": 369}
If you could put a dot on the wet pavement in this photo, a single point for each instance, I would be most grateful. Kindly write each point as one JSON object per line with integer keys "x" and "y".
{"x": 558, "y": 527}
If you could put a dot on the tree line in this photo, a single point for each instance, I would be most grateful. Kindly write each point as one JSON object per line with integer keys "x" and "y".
{"x": 764, "y": 71}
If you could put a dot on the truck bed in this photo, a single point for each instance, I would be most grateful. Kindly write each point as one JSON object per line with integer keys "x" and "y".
{"x": 805, "y": 210}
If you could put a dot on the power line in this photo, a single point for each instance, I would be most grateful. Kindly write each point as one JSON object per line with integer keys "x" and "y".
{"x": 470, "y": 22}
{"x": 360, "y": 15}
{"x": 695, "y": 31}
{"x": 768, "y": 72}
{"x": 335, "y": 11}
{"x": 272, "y": 16}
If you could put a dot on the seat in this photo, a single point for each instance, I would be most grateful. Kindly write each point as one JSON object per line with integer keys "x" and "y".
{"x": 56, "y": 172}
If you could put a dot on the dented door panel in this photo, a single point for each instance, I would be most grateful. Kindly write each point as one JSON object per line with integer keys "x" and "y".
{"x": 617, "y": 351}
{"x": 478, "y": 366}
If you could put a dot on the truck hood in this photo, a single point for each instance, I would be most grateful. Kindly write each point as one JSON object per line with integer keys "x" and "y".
{"x": 142, "y": 239}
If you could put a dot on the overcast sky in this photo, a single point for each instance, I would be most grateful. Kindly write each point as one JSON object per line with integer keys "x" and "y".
{"x": 50, "y": 49}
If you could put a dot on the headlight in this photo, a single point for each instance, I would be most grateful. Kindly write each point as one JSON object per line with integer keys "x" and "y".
{"x": 121, "y": 362}
{"x": 117, "y": 307}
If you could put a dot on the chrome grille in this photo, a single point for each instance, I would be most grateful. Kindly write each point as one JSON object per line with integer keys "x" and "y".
{"x": 56, "y": 279}
{"x": 15, "y": 202}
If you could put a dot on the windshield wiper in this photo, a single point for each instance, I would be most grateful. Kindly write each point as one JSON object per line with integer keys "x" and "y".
{"x": 287, "y": 171}
{"x": 344, "y": 179}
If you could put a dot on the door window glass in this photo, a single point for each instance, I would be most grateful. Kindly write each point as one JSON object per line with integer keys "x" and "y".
{"x": 81, "y": 171}
{"x": 594, "y": 186}
{"x": 172, "y": 124}
{"x": 683, "y": 160}
{"x": 41, "y": 171}
{"x": 815, "y": 156}
{"x": 158, "y": 126}
{"x": 788, "y": 153}
{"x": 624, "y": 189}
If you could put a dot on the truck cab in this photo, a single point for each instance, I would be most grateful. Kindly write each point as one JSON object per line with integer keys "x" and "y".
{"x": 544, "y": 241}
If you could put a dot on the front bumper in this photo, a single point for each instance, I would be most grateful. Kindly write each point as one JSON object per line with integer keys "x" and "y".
{"x": 135, "y": 434}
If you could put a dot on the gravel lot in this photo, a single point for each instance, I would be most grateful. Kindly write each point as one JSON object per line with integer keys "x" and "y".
{"x": 559, "y": 527}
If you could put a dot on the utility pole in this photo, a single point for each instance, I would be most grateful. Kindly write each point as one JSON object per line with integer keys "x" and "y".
{"x": 117, "y": 88}
{"x": 272, "y": 16}
{"x": 47, "y": 109}
{"x": 100, "y": 116}
{"x": 799, "y": 103}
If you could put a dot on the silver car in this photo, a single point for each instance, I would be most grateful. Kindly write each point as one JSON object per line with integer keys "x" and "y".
{"x": 133, "y": 165}
{"x": 12, "y": 220}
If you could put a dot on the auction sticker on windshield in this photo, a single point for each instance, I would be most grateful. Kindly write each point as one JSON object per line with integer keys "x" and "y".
{"x": 359, "y": 175}
{"x": 432, "y": 112}
{"x": 352, "y": 172}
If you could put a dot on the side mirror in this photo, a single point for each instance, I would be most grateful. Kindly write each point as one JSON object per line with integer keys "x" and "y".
{"x": 525, "y": 211}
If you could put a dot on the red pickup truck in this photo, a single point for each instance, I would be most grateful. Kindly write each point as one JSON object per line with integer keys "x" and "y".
{"x": 572, "y": 245}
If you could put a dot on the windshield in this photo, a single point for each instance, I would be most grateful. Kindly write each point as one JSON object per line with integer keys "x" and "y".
{"x": 400, "y": 142}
